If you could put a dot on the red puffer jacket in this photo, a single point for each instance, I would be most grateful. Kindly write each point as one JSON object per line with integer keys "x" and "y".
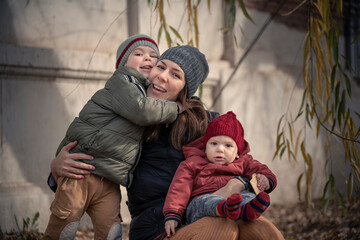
{"x": 197, "y": 176}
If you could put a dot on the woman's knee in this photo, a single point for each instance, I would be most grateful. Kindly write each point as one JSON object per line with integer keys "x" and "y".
{"x": 209, "y": 228}
{"x": 260, "y": 228}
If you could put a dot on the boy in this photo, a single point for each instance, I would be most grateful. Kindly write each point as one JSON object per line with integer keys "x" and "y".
{"x": 110, "y": 128}
{"x": 211, "y": 161}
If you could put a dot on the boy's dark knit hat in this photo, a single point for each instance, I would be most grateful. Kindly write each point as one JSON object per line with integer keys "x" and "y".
{"x": 130, "y": 44}
{"x": 226, "y": 125}
{"x": 192, "y": 62}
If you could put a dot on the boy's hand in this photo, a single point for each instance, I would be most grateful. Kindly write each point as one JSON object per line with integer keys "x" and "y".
{"x": 262, "y": 182}
{"x": 181, "y": 107}
{"x": 170, "y": 227}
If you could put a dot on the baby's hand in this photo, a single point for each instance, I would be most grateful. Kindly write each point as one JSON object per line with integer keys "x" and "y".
{"x": 170, "y": 227}
{"x": 262, "y": 182}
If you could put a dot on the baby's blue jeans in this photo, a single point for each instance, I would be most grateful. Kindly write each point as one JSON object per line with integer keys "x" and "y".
{"x": 205, "y": 205}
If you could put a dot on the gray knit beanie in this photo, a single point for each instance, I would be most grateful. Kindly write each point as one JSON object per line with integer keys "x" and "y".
{"x": 192, "y": 62}
{"x": 130, "y": 44}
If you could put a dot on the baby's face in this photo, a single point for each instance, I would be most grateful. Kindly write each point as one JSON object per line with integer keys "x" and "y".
{"x": 221, "y": 150}
{"x": 142, "y": 59}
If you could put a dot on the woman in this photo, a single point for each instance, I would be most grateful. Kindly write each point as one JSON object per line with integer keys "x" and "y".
{"x": 176, "y": 77}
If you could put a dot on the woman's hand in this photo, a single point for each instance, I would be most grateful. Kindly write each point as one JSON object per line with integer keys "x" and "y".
{"x": 65, "y": 164}
{"x": 233, "y": 186}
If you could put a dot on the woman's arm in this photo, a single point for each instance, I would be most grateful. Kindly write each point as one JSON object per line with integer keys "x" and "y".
{"x": 65, "y": 164}
{"x": 233, "y": 186}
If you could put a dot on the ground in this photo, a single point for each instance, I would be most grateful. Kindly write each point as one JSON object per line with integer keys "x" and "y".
{"x": 295, "y": 221}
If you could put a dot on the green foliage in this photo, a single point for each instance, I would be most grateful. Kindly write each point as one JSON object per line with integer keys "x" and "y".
{"x": 232, "y": 13}
{"x": 29, "y": 230}
{"x": 325, "y": 102}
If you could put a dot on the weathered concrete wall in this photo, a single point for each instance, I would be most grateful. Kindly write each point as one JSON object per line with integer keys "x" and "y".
{"x": 40, "y": 97}
{"x": 55, "y": 55}
{"x": 72, "y": 25}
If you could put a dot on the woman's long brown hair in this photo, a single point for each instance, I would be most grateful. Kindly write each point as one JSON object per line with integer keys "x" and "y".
{"x": 190, "y": 124}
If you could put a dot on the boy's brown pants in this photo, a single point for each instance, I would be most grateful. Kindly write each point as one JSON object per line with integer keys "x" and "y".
{"x": 98, "y": 197}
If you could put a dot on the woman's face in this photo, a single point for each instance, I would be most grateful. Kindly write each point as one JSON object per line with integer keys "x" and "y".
{"x": 167, "y": 79}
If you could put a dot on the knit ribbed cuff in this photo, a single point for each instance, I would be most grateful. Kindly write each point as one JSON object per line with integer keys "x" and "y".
{"x": 173, "y": 216}
{"x": 246, "y": 184}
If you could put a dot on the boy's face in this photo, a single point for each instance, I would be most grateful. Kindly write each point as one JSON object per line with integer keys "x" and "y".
{"x": 221, "y": 150}
{"x": 142, "y": 59}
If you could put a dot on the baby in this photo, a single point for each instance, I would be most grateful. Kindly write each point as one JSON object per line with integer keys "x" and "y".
{"x": 211, "y": 161}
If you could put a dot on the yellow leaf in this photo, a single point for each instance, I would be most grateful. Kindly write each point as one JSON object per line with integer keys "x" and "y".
{"x": 299, "y": 185}
{"x": 297, "y": 143}
{"x": 318, "y": 129}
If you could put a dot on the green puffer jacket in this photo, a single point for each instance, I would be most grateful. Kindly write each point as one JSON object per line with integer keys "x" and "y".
{"x": 110, "y": 127}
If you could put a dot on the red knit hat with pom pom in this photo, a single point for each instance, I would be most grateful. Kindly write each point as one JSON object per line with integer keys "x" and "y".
{"x": 226, "y": 125}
